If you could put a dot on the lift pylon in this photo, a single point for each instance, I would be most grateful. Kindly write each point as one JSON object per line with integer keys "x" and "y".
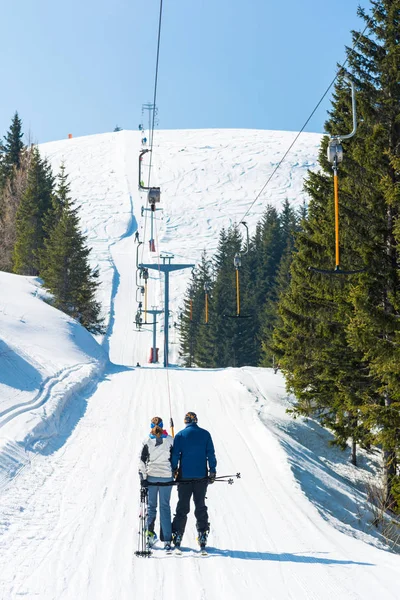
{"x": 166, "y": 267}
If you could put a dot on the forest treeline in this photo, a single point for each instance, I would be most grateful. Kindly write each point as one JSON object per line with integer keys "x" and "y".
{"x": 212, "y": 332}
{"x": 39, "y": 230}
{"x": 335, "y": 337}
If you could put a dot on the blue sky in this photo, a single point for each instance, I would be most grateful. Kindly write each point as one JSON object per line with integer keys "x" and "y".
{"x": 84, "y": 66}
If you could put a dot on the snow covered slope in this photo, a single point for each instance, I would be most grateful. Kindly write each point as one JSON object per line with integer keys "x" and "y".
{"x": 44, "y": 358}
{"x": 208, "y": 179}
{"x": 68, "y": 525}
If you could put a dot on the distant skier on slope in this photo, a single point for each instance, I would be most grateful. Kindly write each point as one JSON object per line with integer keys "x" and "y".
{"x": 193, "y": 449}
{"x": 155, "y": 467}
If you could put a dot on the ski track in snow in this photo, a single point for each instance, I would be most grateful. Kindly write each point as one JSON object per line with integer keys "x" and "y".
{"x": 68, "y": 524}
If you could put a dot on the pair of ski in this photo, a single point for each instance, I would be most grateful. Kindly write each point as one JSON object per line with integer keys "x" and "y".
{"x": 178, "y": 551}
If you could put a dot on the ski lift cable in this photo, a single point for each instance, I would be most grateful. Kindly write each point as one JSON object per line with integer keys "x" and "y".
{"x": 151, "y": 133}
{"x": 341, "y": 68}
{"x": 165, "y": 349}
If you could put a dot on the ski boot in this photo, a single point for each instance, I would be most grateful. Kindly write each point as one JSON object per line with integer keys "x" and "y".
{"x": 167, "y": 547}
{"x": 202, "y": 540}
{"x": 151, "y": 538}
{"x": 176, "y": 540}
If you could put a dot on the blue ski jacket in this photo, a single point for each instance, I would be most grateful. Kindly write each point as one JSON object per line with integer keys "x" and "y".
{"x": 193, "y": 449}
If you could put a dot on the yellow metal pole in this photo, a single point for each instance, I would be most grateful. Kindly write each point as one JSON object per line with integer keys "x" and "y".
{"x": 237, "y": 293}
{"x": 336, "y": 188}
{"x": 206, "y": 307}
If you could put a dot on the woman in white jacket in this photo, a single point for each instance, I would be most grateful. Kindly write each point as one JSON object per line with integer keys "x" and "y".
{"x": 155, "y": 467}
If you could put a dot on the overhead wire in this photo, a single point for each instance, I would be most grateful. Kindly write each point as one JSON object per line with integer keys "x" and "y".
{"x": 151, "y": 144}
{"x": 155, "y": 88}
{"x": 151, "y": 132}
{"x": 341, "y": 68}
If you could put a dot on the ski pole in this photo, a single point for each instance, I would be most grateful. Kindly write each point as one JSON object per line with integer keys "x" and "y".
{"x": 143, "y": 550}
{"x": 222, "y": 478}
{"x": 237, "y": 476}
{"x": 178, "y": 482}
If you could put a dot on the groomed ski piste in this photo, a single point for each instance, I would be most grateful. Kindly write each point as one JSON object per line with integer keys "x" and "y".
{"x": 74, "y": 411}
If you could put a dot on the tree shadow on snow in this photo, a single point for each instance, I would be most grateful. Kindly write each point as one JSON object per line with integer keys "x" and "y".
{"x": 283, "y": 557}
{"x": 16, "y": 372}
{"x": 339, "y": 497}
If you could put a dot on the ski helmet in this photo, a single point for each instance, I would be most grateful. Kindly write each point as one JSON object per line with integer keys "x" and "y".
{"x": 190, "y": 417}
{"x": 156, "y": 422}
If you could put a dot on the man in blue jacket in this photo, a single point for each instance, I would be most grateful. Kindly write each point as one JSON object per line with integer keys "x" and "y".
{"x": 192, "y": 452}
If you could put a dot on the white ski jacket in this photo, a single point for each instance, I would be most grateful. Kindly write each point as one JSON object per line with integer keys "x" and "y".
{"x": 155, "y": 457}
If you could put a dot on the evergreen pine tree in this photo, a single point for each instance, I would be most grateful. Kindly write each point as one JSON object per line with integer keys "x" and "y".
{"x": 32, "y": 214}
{"x": 339, "y": 336}
{"x": 278, "y": 253}
{"x": 374, "y": 328}
{"x": 224, "y": 330}
{"x": 10, "y": 199}
{"x": 64, "y": 264}
{"x": 11, "y": 150}
{"x": 193, "y": 314}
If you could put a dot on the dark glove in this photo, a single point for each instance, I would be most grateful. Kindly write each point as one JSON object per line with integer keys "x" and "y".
{"x": 144, "y": 483}
{"x": 211, "y": 477}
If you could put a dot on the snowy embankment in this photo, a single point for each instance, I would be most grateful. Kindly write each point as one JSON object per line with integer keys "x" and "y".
{"x": 45, "y": 359}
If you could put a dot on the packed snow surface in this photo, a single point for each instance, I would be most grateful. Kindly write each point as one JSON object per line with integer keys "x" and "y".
{"x": 292, "y": 527}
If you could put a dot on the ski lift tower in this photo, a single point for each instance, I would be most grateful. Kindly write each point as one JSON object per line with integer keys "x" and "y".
{"x": 154, "y": 312}
{"x": 166, "y": 267}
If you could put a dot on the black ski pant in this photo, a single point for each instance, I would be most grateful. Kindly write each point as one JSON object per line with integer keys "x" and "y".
{"x": 198, "y": 490}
